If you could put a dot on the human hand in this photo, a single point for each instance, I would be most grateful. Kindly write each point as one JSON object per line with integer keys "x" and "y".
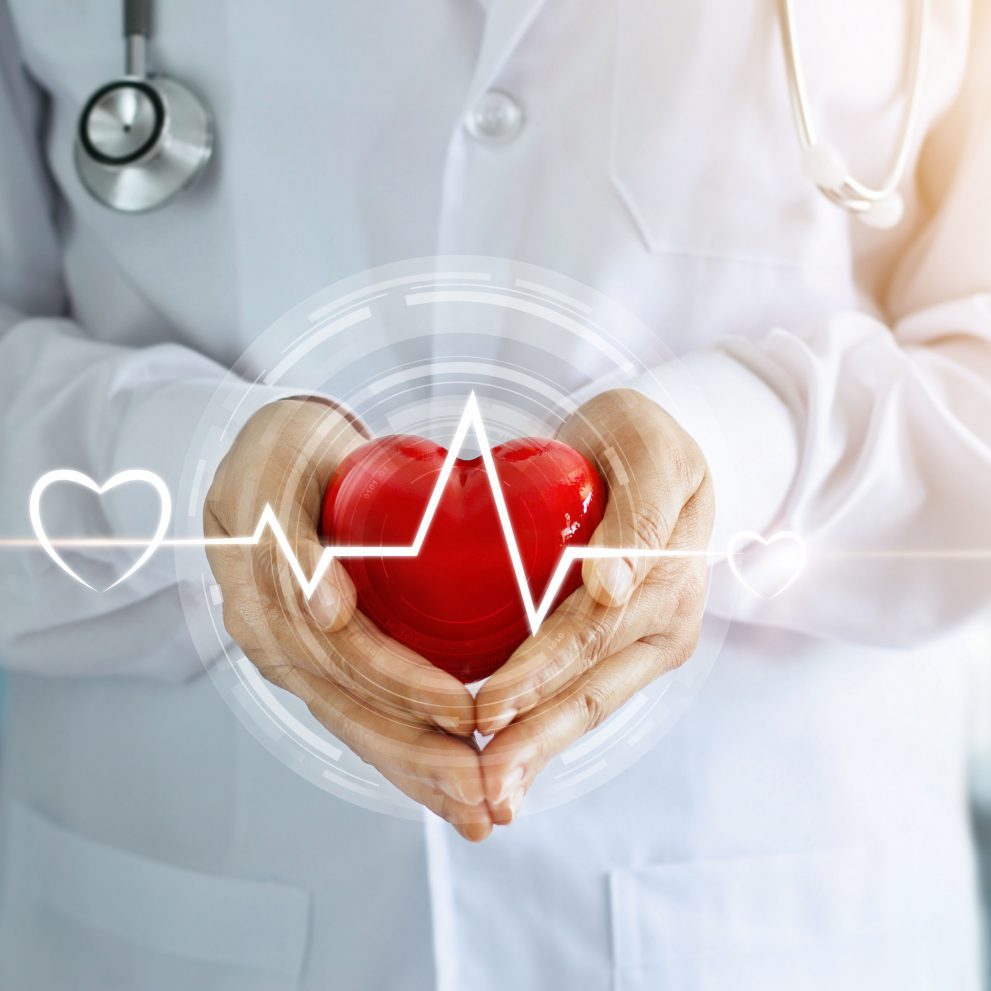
{"x": 392, "y": 707}
{"x": 633, "y": 620}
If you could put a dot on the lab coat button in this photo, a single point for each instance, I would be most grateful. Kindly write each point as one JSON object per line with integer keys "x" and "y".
{"x": 495, "y": 118}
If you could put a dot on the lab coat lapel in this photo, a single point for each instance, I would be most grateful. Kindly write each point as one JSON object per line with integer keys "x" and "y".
{"x": 506, "y": 23}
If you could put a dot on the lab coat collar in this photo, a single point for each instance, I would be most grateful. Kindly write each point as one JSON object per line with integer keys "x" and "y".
{"x": 506, "y": 23}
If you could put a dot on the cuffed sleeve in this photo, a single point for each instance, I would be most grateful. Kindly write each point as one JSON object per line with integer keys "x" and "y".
{"x": 69, "y": 401}
{"x": 871, "y": 439}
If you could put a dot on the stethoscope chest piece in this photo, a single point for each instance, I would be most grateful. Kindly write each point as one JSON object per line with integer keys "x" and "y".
{"x": 141, "y": 138}
{"x": 140, "y": 141}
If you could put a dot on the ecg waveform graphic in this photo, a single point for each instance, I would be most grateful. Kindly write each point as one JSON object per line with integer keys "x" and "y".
{"x": 782, "y": 574}
{"x": 786, "y": 569}
{"x": 471, "y": 421}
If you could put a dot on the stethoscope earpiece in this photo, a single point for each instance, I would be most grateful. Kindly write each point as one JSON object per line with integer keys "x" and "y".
{"x": 141, "y": 139}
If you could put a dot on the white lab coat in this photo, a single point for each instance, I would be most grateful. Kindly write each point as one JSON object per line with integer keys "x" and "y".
{"x": 804, "y": 825}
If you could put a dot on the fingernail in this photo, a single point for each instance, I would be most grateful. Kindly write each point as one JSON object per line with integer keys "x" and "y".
{"x": 515, "y": 801}
{"x": 453, "y": 788}
{"x": 450, "y": 724}
{"x": 510, "y": 783}
{"x": 325, "y": 605}
{"x": 499, "y": 722}
{"x": 505, "y": 813}
{"x": 615, "y": 577}
{"x": 474, "y": 832}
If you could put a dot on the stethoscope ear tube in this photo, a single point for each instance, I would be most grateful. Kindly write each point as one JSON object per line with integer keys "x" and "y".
{"x": 137, "y": 18}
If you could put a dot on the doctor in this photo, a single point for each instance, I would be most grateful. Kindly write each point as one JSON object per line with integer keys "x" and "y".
{"x": 804, "y": 826}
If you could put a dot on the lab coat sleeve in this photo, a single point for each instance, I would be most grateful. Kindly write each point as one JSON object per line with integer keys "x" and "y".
{"x": 68, "y": 401}
{"x": 870, "y": 437}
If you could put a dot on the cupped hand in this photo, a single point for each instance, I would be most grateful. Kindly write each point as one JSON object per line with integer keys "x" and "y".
{"x": 393, "y": 708}
{"x": 635, "y": 619}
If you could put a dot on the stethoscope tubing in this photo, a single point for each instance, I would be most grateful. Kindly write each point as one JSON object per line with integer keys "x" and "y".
{"x": 852, "y": 194}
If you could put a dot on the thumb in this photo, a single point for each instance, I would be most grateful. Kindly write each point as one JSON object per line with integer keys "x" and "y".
{"x": 333, "y": 600}
{"x": 646, "y": 498}
{"x": 300, "y": 567}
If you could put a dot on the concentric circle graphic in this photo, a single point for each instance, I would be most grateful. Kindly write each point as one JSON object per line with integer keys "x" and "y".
{"x": 405, "y": 346}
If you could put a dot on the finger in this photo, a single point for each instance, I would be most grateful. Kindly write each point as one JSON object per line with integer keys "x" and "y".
{"x": 375, "y": 668}
{"x": 347, "y": 647}
{"x": 293, "y": 449}
{"x": 437, "y": 770}
{"x": 294, "y": 568}
{"x": 284, "y": 592}
{"x": 651, "y": 473}
{"x": 514, "y": 758}
{"x": 390, "y": 675}
{"x": 262, "y": 613}
{"x": 473, "y": 822}
{"x": 279, "y": 567}
{"x": 302, "y": 444}
{"x": 582, "y": 631}
{"x": 648, "y": 493}
{"x": 574, "y": 638}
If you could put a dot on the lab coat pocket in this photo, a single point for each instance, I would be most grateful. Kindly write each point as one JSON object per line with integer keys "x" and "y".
{"x": 702, "y": 148}
{"x": 885, "y": 918}
{"x": 79, "y": 914}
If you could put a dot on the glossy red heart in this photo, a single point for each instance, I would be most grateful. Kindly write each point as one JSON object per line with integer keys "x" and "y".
{"x": 458, "y": 603}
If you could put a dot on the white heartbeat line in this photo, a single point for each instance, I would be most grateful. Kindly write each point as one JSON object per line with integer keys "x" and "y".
{"x": 471, "y": 420}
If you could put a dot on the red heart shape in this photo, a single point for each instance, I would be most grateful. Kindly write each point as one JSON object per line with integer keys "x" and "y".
{"x": 457, "y": 602}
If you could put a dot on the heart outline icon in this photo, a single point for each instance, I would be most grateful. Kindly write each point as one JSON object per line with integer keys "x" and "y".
{"x": 121, "y": 478}
{"x": 738, "y": 543}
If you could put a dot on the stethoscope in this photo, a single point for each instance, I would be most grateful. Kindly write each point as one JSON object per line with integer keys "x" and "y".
{"x": 143, "y": 138}
{"x": 879, "y": 206}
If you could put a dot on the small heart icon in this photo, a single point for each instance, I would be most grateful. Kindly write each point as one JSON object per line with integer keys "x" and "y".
{"x": 121, "y": 478}
{"x": 766, "y": 566}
